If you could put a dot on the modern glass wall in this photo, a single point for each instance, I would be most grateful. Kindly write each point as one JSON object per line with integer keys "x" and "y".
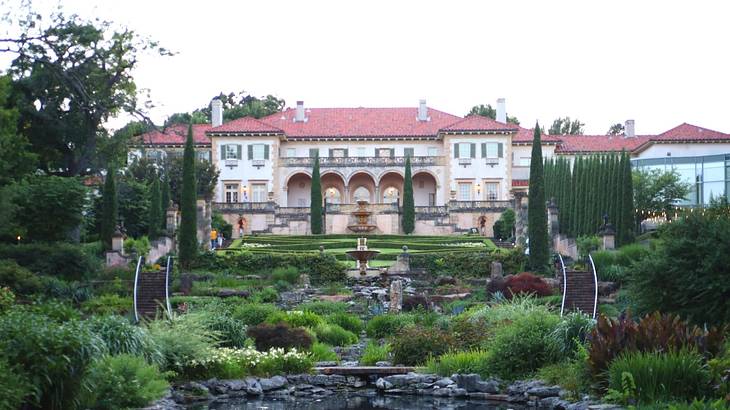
{"x": 708, "y": 175}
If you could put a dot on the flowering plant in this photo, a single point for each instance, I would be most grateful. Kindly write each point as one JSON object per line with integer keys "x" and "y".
{"x": 237, "y": 362}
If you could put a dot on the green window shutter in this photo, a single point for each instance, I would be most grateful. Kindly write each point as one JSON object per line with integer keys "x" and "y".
{"x": 313, "y": 152}
{"x": 500, "y": 150}
{"x": 484, "y": 149}
{"x": 266, "y": 151}
{"x": 456, "y": 150}
{"x": 330, "y": 153}
{"x": 408, "y": 152}
{"x": 377, "y": 152}
{"x": 392, "y": 152}
{"x": 346, "y": 152}
{"x": 473, "y": 150}
{"x": 223, "y": 151}
{"x": 250, "y": 151}
{"x": 238, "y": 152}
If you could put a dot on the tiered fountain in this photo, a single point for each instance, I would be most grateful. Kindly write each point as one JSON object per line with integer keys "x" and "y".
{"x": 362, "y": 215}
{"x": 362, "y": 255}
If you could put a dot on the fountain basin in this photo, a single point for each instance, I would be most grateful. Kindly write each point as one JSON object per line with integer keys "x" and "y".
{"x": 364, "y": 228}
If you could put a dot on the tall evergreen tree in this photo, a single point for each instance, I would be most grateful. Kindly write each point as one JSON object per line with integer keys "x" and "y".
{"x": 409, "y": 211}
{"x": 188, "y": 238}
{"x": 575, "y": 198}
{"x": 155, "y": 211}
{"x": 627, "y": 202}
{"x": 110, "y": 210}
{"x": 316, "y": 199}
{"x": 537, "y": 211}
{"x": 612, "y": 188}
{"x": 165, "y": 202}
{"x": 618, "y": 201}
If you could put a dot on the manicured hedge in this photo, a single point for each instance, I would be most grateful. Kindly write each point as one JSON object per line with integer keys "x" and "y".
{"x": 63, "y": 260}
{"x": 472, "y": 263}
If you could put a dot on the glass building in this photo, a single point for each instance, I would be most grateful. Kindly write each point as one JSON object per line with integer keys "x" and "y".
{"x": 708, "y": 175}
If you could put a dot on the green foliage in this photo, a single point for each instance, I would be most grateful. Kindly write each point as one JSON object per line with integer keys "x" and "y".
{"x": 19, "y": 279}
{"x": 206, "y": 177}
{"x": 659, "y": 376}
{"x": 587, "y": 244}
{"x": 323, "y": 307}
{"x": 122, "y": 337}
{"x": 16, "y": 158}
{"x": 154, "y": 222}
{"x": 687, "y": 274}
{"x": 571, "y": 375}
{"x": 627, "y": 211}
{"x": 280, "y": 335}
{"x": 470, "y": 264}
{"x": 230, "y": 332}
{"x": 655, "y": 332}
{"x": 13, "y": 387}
{"x": 315, "y": 200}
{"x": 266, "y": 295}
{"x": 523, "y": 346}
{"x": 489, "y": 112}
{"x": 656, "y": 192}
{"x": 409, "y": 210}
{"x": 334, "y": 335}
{"x": 109, "y": 210}
{"x": 181, "y": 339}
{"x": 289, "y": 274}
{"x": 295, "y": 318}
{"x": 571, "y": 333}
{"x": 252, "y": 314}
{"x": 413, "y": 345}
{"x": 321, "y": 352}
{"x": 123, "y": 381}
{"x": 108, "y": 304}
{"x": 61, "y": 260}
{"x": 347, "y": 321}
{"x": 221, "y": 226}
{"x": 49, "y": 208}
{"x": 53, "y": 356}
{"x": 565, "y": 126}
{"x": 141, "y": 246}
{"x": 505, "y": 226}
{"x": 134, "y": 206}
{"x": 720, "y": 404}
{"x": 463, "y": 362}
{"x": 7, "y": 299}
{"x": 386, "y": 325}
{"x": 537, "y": 212}
{"x": 188, "y": 241}
{"x": 374, "y": 353}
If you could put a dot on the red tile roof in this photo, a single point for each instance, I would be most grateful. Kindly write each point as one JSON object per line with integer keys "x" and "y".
{"x": 524, "y": 135}
{"x": 247, "y": 125}
{"x": 598, "y": 143}
{"x": 480, "y": 123}
{"x": 686, "y": 131}
{"x": 175, "y": 135}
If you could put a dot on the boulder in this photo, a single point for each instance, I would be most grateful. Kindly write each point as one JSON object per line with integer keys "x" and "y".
{"x": 383, "y": 384}
{"x": 276, "y": 382}
{"x": 253, "y": 387}
{"x": 544, "y": 391}
{"x": 228, "y": 293}
{"x": 552, "y": 403}
{"x": 467, "y": 381}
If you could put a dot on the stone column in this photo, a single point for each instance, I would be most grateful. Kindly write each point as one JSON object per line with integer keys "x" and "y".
{"x": 521, "y": 218}
{"x": 171, "y": 218}
{"x": 608, "y": 234}
{"x": 552, "y": 209}
{"x": 396, "y": 296}
{"x": 204, "y": 217}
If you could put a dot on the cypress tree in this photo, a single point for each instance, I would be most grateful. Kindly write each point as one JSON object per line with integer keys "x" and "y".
{"x": 109, "y": 212}
{"x": 612, "y": 186}
{"x": 409, "y": 211}
{"x": 627, "y": 203}
{"x": 537, "y": 210}
{"x": 155, "y": 211}
{"x": 575, "y": 198}
{"x": 165, "y": 202}
{"x": 618, "y": 201}
{"x": 316, "y": 199}
{"x": 595, "y": 195}
{"x": 581, "y": 200}
{"x": 188, "y": 239}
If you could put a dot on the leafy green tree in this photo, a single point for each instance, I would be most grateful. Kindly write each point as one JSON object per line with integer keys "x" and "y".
{"x": 16, "y": 159}
{"x": 206, "y": 177}
{"x": 110, "y": 210}
{"x": 315, "y": 206}
{"x": 71, "y": 76}
{"x": 188, "y": 238}
{"x": 489, "y": 112}
{"x": 656, "y": 192}
{"x": 155, "y": 211}
{"x": 134, "y": 206}
{"x": 566, "y": 126}
{"x": 616, "y": 129}
{"x": 235, "y": 105}
{"x": 537, "y": 210}
{"x": 409, "y": 210}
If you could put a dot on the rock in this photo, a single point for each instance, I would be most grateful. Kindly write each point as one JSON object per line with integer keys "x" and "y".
{"x": 335, "y": 298}
{"x": 445, "y": 382}
{"x": 251, "y": 277}
{"x": 350, "y": 364}
{"x": 445, "y": 280}
{"x": 604, "y": 406}
{"x": 607, "y": 288}
{"x": 520, "y": 387}
{"x": 467, "y": 381}
{"x": 457, "y": 392}
{"x": 489, "y": 386}
{"x": 445, "y": 392}
{"x": 253, "y": 387}
{"x": 496, "y": 269}
{"x": 552, "y": 403}
{"x": 276, "y": 382}
{"x": 544, "y": 391}
{"x": 235, "y": 385}
{"x": 383, "y": 364}
{"x": 356, "y": 382}
{"x": 383, "y": 384}
{"x": 396, "y": 296}
{"x": 399, "y": 380}
{"x": 227, "y": 293}
{"x": 325, "y": 364}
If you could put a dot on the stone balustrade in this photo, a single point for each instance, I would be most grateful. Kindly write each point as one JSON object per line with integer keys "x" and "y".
{"x": 334, "y": 162}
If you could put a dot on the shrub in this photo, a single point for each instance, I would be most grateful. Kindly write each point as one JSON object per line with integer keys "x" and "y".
{"x": 586, "y": 245}
{"x": 230, "y": 332}
{"x": 656, "y": 332}
{"x": 7, "y": 299}
{"x": 123, "y": 381}
{"x": 323, "y": 308}
{"x": 53, "y": 356}
{"x": 527, "y": 284}
{"x": 572, "y": 376}
{"x": 227, "y": 363}
{"x": 612, "y": 273}
{"x": 654, "y": 376}
{"x": 381, "y": 326}
{"x": 62, "y": 260}
{"x": 252, "y": 314}
{"x": 140, "y": 246}
{"x": 53, "y": 309}
{"x": 59, "y": 289}
{"x": 266, "y": 295}
{"x": 415, "y": 302}
{"x": 603, "y": 259}
{"x": 296, "y": 318}
{"x": 468, "y": 334}
{"x": 470, "y": 361}
{"x": 266, "y": 336}
{"x": 334, "y": 335}
{"x": 628, "y": 254}
{"x": 346, "y": 321}
{"x": 13, "y": 387}
{"x": 122, "y": 337}
{"x": 525, "y": 345}
{"x": 374, "y": 353}
{"x": 182, "y": 340}
{"x": 19, "y": 279}
{"x": 321, "y": 352}
{"x": 107, "y": 305}
{"x": 571, "y": 333}
{"x": 414, "y": 344}
{"x": 289, "y": 274}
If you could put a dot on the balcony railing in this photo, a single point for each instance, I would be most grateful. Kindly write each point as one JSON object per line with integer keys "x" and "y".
{"x": 431, "y": 210}
{"x": 361, "y": 161}
{"x": 240, "y": 207}
{"x": 472, "y": 205}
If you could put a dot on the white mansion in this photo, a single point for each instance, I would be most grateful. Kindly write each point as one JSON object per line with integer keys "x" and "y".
{"x": 466, "y": 171}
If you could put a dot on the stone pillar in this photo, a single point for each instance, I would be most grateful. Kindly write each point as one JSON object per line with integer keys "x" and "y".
{"x": 204, "y": 217}
{"x": 304, "y": 280}
{"x": 608, "y": 234}
{"x": 496, "y": 270}
{"x": 171, "y": 219}
{"x": 552, "y": 209}
{"x": 521, "y": 218}
{"x": 118, "y": 241}
{"x": 396, "y": 296}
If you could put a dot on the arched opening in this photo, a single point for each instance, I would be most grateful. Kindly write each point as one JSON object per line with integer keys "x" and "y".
{"x": 333, "y": 188}
{"x": 391, "y": 187}
{"x": 362, "y": 187}
{"x": 424, "y": 189}
{"x": 298, "y": 190}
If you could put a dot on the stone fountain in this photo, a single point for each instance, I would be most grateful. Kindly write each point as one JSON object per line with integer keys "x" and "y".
{"x": 362, "y": 255}
{"x": 361, "y": 215}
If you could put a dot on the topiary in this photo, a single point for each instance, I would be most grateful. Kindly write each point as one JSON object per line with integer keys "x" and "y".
{"x": 266, "y": 336}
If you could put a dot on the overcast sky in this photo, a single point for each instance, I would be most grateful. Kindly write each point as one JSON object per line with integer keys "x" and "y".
{"x": 659, "y": 62}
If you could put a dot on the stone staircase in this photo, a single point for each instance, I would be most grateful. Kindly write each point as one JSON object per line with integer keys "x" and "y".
{"x": 151, "y": 293}
{"x": 503, "y": 244}
{"x": 580, "y": 292}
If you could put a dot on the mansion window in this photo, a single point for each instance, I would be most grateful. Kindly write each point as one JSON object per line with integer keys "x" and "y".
{"x": 258, "y": 192}
{"x": 390, "y": 195}
{"x": 203, "y": 155}
{"x": 524, "y": 161}
{"x": 491, "y": 149}
{"x": 232, "y": 151}
{"x": 408, "y": 152}
{"x": 338, "y": 152}
{"x": 465, "y": 150}
{"x": 362, "y": 152}
{"x": 384, "y": 152}
{"x": 258, "y": 151}
{"x": 491, "y": 190}
{"x": 291, "y": 152}
{"x": 465, "y": 191}
{"x": 433, "y": 151}
{"x": 231, "y": 192}
{"x": 313, "y": 152}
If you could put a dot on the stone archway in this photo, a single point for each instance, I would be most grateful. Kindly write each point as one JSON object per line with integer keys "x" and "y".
{"x": 362, "y": 186}
{"x": 298, "y": 190}
{"x": 391, "y": 187}
{"x": 424, "y": 189}
{"x": 333, "y": 188}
